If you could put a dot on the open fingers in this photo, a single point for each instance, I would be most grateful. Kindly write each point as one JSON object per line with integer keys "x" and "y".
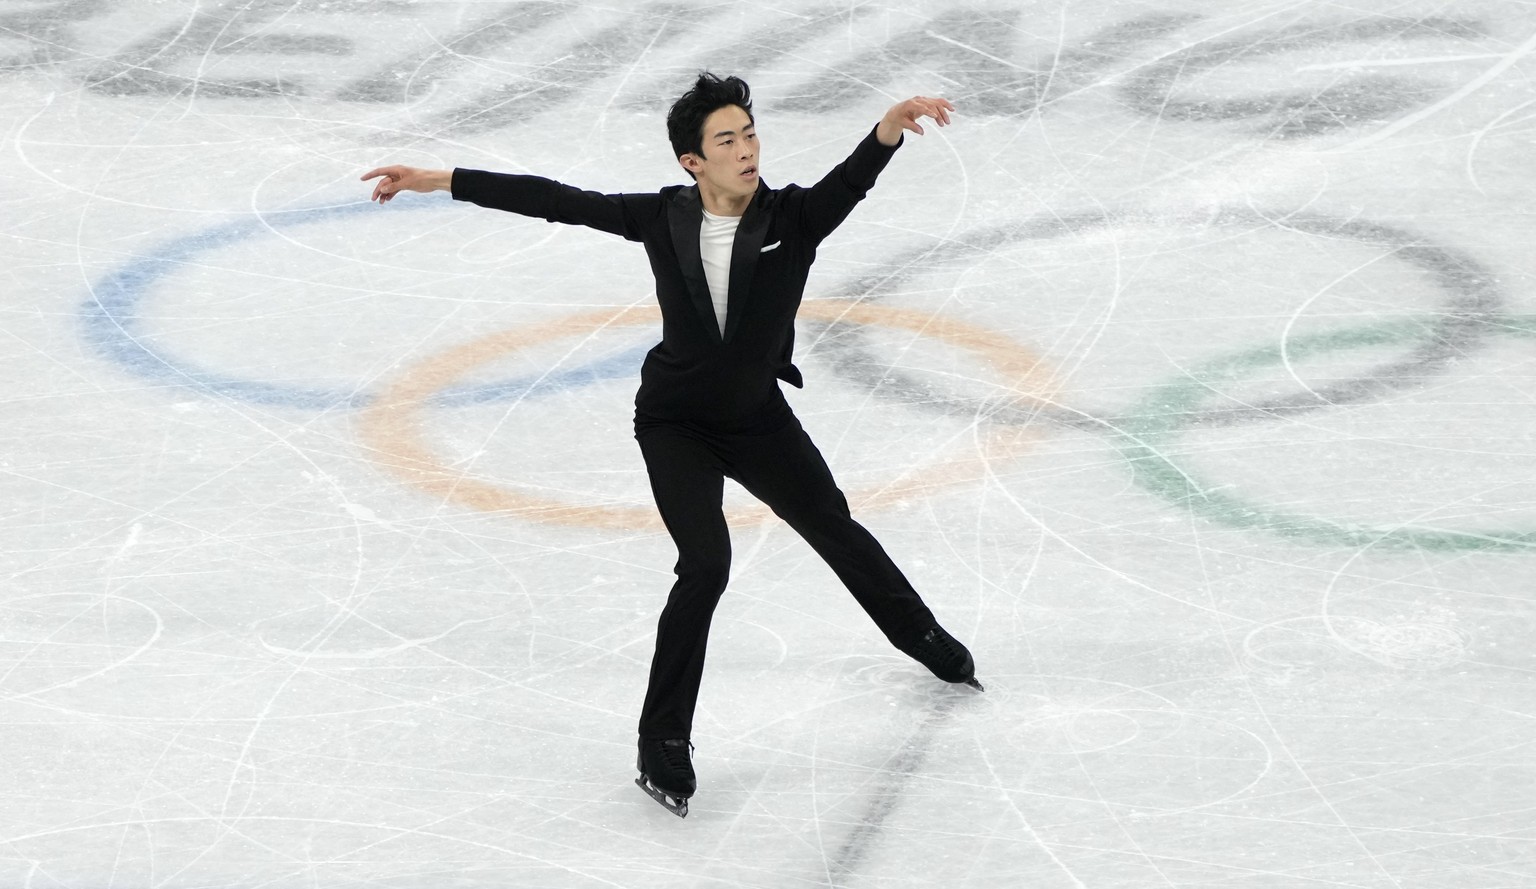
{"x": 387, "y": 185}
{"x": 938, "y": 109}
{"x": 908, "y": 112}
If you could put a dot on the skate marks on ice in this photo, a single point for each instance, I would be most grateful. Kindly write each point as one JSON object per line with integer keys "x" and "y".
{"x": 1037, "y": 751}
{"x": 1300, "y": 651}
{"x": 888, "y": 793}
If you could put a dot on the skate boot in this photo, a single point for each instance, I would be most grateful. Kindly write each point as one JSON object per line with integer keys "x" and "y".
{"x": 666, "y": 772}
{"x": 946, "y": 657}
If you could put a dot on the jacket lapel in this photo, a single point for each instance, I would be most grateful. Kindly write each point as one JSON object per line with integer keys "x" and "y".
{"x": 744, "y": 254}
{"x": 684, "y": 216}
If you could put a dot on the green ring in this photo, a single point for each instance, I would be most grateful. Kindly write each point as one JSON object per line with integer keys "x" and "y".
{"x": 1148, "y": 427}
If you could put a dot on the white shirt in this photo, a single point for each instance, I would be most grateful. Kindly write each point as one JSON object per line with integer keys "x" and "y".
{"x": 717, "y": 235}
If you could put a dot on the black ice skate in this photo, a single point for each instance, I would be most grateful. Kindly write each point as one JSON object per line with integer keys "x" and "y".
{"x": 666, "y": 773}
{"x": 946, "y": 657}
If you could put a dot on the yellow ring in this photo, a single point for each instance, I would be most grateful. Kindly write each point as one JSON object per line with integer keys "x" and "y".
{"x": 391, "y": 427}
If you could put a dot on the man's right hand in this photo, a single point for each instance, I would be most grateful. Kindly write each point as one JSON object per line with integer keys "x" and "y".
{"x": 396, "y": 179}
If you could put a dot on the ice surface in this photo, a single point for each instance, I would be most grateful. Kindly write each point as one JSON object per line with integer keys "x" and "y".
{"x": 1189, "y": 375}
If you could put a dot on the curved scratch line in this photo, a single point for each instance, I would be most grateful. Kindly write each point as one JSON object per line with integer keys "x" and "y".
{"x": 1473, "y": 86}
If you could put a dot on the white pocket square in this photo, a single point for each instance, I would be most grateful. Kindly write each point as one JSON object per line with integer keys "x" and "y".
{"x": 773, "y": 246}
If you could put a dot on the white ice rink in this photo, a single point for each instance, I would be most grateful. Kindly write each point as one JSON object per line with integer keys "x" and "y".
{"x": 1190, "y": 375}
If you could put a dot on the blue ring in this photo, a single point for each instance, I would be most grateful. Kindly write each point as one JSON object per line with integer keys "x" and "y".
{"x": 111, "y": 320}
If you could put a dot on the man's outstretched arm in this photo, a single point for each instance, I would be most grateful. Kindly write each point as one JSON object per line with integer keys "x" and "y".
{"x": 536, "y": 196}
{"x": 827, "y": 203}
{"x": 395, "y": 179}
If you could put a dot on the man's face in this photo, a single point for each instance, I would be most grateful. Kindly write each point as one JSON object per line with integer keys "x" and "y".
{"x": 729, "y": 163}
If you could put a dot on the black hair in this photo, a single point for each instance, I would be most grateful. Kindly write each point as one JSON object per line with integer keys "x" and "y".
{"x": 685, "y": 121}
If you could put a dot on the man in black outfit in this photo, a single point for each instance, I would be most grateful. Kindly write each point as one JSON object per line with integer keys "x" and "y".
{"x": 730, "y": 256}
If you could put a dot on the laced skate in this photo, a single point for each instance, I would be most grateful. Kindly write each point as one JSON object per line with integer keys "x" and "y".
{"x": 666, "y": 773}
{"x": 946, "y": 657}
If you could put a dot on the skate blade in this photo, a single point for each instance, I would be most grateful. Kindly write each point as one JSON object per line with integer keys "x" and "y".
{"x": 676, "y": 805}
{"x": 975, "y": 683}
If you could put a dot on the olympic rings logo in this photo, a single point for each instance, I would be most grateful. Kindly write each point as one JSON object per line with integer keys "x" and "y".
{"x": 390, "y": 425}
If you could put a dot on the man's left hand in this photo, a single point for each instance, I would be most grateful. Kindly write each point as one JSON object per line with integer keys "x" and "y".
{"x": 904, "y": 115}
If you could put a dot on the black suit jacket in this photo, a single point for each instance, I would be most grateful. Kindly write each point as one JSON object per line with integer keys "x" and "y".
{"x": 695, "y": 374}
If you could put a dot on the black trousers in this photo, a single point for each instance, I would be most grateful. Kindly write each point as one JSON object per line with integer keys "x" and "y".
{"x": 687, "y": 466}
